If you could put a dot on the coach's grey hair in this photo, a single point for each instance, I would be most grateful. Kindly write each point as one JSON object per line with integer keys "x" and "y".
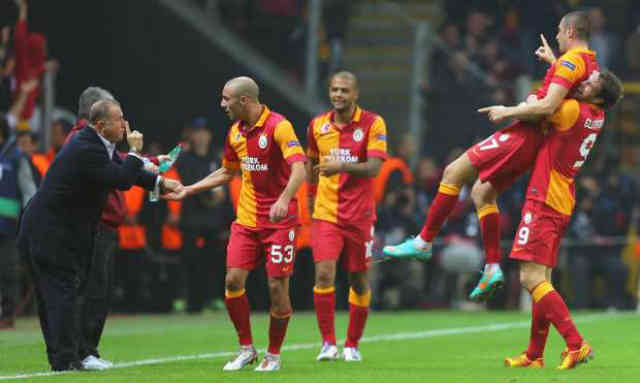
{"x": 100, "y": 110}
{"x": 90, "y": 96}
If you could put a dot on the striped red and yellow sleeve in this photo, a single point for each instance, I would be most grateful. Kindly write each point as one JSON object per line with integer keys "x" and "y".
{"x": 286, "y": 138}
{"x": 377, "y": 140}
{"x": 569, "y": 68}
{"x": 312, "y": 144}
{"x": 230, "y": 159}
{"x": 566, "y": 115}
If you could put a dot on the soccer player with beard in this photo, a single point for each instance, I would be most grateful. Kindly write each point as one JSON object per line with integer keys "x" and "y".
{"x": 346, "y": 147}
{"x": 263, "y": 146}
{"x": 546, "y": 214}
{"x": 507, "y": 154}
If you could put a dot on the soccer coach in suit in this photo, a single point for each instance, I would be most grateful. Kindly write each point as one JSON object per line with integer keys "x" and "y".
{"x": 57, "y": 230}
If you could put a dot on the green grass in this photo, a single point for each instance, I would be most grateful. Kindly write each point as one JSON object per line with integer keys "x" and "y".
{"x": 428, "y": 346}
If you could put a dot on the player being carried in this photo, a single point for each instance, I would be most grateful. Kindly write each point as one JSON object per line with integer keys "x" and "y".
{"x": 263, "y": 145}
{"x": 549, "y": 203}
{"x": 507, "y": 154}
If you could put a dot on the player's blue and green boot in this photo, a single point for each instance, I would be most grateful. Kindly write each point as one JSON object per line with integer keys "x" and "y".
{"x": 411, "y": 248}
{"x": 492, "y": 279}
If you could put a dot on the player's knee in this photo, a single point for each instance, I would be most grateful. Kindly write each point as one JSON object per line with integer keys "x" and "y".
{"x": 279, "y": 295}
{"x": 530, "y": 278}
{"x": 450, "y": 173}
{"x": 324, "y": 280}
{"x": 359, "y": 283}
{"x": 482, "y": 193}
{"x": 233, "y": 282}
{"x": 325, "y": 276}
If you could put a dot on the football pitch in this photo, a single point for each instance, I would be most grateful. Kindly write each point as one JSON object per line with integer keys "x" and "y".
{"x": 398, "y": 347}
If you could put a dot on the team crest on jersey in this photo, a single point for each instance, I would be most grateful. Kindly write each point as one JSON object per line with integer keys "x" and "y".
{"x": 358, "y": 135}
{"x": 325, "y": 128}
{"x": 503, "y": 137}
{"x": 263, "y": 141}
{"x": 238, "y": 136}
{"x": 527, "y": 218}
{"x": 292, "y": 235}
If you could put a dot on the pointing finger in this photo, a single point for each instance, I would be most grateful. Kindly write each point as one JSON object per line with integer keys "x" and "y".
{"x": 544, "y": 41}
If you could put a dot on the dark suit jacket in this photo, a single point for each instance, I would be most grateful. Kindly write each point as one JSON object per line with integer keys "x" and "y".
{"x": 59, "y": 224}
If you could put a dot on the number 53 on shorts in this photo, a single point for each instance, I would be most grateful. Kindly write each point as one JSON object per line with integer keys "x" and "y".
{"x": 280, "y": 254}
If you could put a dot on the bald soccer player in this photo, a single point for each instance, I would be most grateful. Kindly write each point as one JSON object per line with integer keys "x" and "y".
{"x": 262, "y": 145}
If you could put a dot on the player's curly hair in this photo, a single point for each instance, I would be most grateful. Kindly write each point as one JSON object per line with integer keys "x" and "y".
{"x": 612, "y": 90}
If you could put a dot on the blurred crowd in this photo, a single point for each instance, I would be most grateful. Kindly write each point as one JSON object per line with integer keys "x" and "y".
{"x": 171, "y": 255}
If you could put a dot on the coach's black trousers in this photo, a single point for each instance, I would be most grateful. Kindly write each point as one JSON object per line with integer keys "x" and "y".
{"x": 60, "y": 280}
{"x": 95, "y": 304}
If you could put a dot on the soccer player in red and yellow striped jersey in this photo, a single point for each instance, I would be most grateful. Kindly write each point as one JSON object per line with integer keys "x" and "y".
{"x": 347, "y": 146}
{"x": 507, "y": 154}
{"x": 547, "y": 211}
{"x": 263, "y": 146}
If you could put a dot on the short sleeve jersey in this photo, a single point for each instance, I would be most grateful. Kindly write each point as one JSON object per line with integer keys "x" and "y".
{"x": 569, "y": 70}
{"x": 576, "y": 126}
{"x": 264, "y": 154}
{"x": 345, "y": 198}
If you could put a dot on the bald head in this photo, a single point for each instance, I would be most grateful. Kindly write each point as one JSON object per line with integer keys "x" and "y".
{"x": 243, "y": 86}
{"x": 580, "y": 23}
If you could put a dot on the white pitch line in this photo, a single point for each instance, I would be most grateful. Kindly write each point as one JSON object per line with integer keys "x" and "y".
{"x": 305, "y": 346}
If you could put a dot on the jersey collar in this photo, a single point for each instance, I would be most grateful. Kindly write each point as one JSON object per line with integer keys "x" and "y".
{"x": 582, "y": 50}
{"x": 259, "y": 124}
{"x": 357, "y": 113}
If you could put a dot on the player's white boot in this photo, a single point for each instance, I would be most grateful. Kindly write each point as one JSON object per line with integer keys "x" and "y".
{"x": 246, "y": 355}
{"x": 352, "y": 354}
{"x": 95, "y": 364}
{"x": 328, "y": 352}
{"x": 271, "y": 362}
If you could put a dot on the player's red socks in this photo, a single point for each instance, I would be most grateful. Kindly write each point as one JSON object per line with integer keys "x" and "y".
{"x": 325, "y": 303}
{"x": 552, "y": 307}
{"x": 440, "y": 209}
{"x": 238, "y": 308}
{"x": 489, "y": 217}
{"x": 277, "y": 330}
{"x": 539, "y": 329}
{"x": 358, "y": 311}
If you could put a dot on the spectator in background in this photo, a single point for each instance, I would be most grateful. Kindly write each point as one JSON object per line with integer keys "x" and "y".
{"x": 511, "y": 38}
{"x": 336, "y": 15}
{"x": 204, "y": 219}
{"x": 602, "y": 41}
{"x": 30, "y": 58}
{"x": 601, "y": 222}
{"x": 17, "y": 186}
{"x": 59, "y": 131}
{"x": 12, "y": 116}
{"x": 27, "y": 143}
{"x": 477, "y": 24}
{"x": 7, "y": 64}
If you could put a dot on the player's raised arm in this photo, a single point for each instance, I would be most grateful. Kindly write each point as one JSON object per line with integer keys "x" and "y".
{"x": 544, "y": 52}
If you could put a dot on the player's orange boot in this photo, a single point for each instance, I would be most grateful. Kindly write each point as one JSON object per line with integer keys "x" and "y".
{"x": 523, "y": 360}
{"x": 571, "y": 359}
